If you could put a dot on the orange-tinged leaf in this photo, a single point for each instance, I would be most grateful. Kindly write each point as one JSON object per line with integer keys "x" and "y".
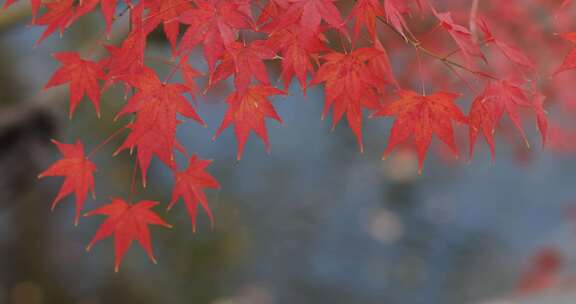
{"x": 127, "y": 223}
{"x": 78, "y": 172}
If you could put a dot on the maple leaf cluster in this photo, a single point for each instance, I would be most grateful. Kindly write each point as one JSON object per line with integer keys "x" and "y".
{"x": 342, "y": 46}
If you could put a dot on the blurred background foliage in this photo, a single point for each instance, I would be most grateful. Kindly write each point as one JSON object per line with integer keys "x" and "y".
{"x": 314, "y": 222}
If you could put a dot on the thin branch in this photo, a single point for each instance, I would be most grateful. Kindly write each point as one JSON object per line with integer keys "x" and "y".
{"x": 416, "y": 44}
{"x": 473, "y": 16}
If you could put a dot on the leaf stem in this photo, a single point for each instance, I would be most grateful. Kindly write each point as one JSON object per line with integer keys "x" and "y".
{"x": 133, "y": 181}
{"x": 106, "y": 141}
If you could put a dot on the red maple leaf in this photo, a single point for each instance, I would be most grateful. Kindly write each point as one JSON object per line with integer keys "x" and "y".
{"x": 365, "y": 13}
{"x": 481, "y": 119}
{"x": 166, "y": 12}
{"x": 58, "y": 16}
{"x": 108, "y": 8}
{"x": 511, "y": 52}
{"x": 61, "y": 14}
{"x": 271, "y": 11}
{"x": 156, "y": 105}
{"x": 421, "y": 117}
{"x": 190, "y": 185}
{"x": 78, "y": 172}
{"x": 395, "y": 10}
{"x": 188, "y": 74}
{"x": 309, "y": 14}
{"x": 297, "y": 49}
{"x": 127, "y": 222}
{"x": 381, "y": 69}
{"x": 245, "y": 61}
{"x": 128, "y": 58}
{"x": 569, "y": 62}
{"x": 215, "y": 24}
{"x": 248, "y": 110}
{"x": 501, "y": 97}
{"x": 461, "y": 36}
{"x": 350, "y": 86}
{"x": 83, "y": 76}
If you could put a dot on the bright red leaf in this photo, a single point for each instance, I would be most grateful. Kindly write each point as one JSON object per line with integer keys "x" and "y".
{"x": 83, "y": 76}
{"x": 245, "y": 61}
{"x": 365, "y": 13}
{"x": 128, "y": 223}
{"x": 61, "y": 14}
{"x": 395, "y": 10}
{"x": 350, "y": 86}
{"x": 421, "y": 117}
{"x": 190, "y": 185}
{"x": 215, "y": 25}
{"x": 188, "y": 74}
{"x": 297, "y": 50}
{"x": 309, "y": 14}
{"x": 501, "y": 97}
{"x": 166, "y": 12}
{"x": 78, "y": 172}
{"x": 248, "y": 111}
{"x": 156, "y": 105}
{"x": 569, "y": 62}
{"x": 127, "y": 59}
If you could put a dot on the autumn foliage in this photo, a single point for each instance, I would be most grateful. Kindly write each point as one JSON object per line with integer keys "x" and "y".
{"x": 459, "y": 66}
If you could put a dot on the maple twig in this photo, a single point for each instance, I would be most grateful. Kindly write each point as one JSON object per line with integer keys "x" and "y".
{"x": 175, "y": 67}
{"x": 466, "y": 82}
{"x": 458, "y": 50}
{"x": 133, "y": 181}
{"x": 473, "y": 15}
{"x": 420, "y": 70}
{"x": 106, "y": 141}
{"x": 104, "y": 33}
{"x": 416, "y": 44}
